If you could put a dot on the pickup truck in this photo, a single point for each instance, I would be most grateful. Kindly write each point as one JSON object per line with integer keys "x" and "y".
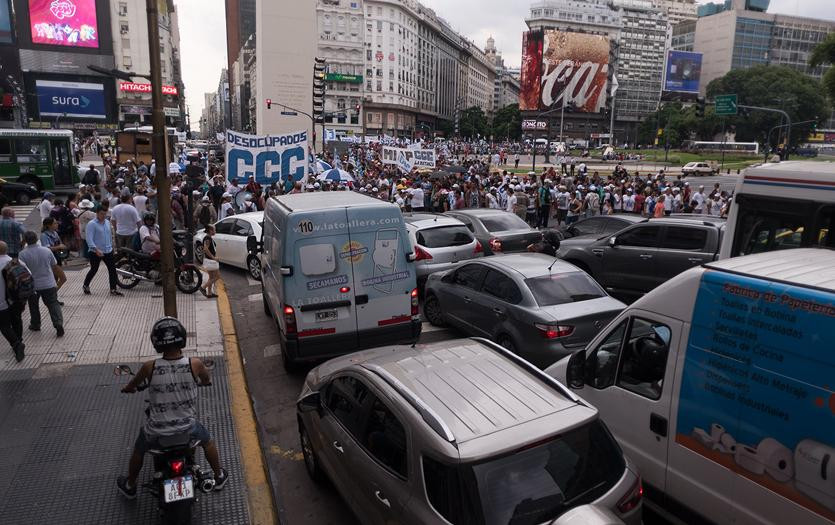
{"x": 640, "y": 257}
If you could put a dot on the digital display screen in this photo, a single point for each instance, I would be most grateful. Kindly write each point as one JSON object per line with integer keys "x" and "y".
{"x": 71, "y": 99}
{"x": 69, "y": 23}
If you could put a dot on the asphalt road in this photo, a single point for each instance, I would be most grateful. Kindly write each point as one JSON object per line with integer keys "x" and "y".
{"x": 274, "y": 393}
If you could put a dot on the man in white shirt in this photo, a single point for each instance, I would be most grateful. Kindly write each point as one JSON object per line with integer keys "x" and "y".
{"x": 629, "y": 201}
{"x": 563, "y": 200}
{"x": 226, "y": 209}
{"x": 668, "y": 201}
{"x": 173, "y": 168}
{"x": 511, "y": 200}
{"x": 417, "y": 197}
{"x": 140, "y": 201}
{"x": 699, "y": 200}
{"x": 127, "y": 221}
{"x": 45, "y": 207}
{"x": 492, "y": 202}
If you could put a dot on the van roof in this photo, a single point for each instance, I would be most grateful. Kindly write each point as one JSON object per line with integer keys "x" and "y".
{"x": 470, "y": 386}
{"x": 809, "y": 267}
{"x": 794, "y": 171}
{"x": 326, "y": 199}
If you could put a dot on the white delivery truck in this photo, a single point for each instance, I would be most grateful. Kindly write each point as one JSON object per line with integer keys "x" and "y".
{"x": 720, "y": 386}
{"x": 337, "y": 275}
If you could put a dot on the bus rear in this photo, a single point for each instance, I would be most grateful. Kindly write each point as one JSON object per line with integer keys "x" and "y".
{"x": 43, "y": 158}
{"x": 782, "y": 206}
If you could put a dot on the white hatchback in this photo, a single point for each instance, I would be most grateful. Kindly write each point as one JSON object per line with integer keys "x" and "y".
{"x": 232, "y": 240}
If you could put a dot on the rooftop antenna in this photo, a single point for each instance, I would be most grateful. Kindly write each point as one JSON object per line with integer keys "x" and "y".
{"x": 553, "y": 263}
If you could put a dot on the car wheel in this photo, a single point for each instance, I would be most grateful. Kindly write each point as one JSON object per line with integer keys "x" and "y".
{"x": 198, "y": 252}
{"x": 506, "y": 342}
{"x": 23, "y": 198}
{"x": 432, "y": 309}
{"x": 311, "y": 463}
{"x": 253, "y": 264}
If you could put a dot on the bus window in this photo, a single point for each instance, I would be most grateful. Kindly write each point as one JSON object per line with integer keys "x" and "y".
{"x": 31, "y": 151}
{"x": 825, "y": 231}
{"x": 762, "y": 231}
{"x": 5, "y": 150}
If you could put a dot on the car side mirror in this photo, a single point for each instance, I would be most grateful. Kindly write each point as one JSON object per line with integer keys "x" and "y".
{"x": 312, "y": 402}
{"x": 575, "y": 372}
{"x": 613, "y": 241}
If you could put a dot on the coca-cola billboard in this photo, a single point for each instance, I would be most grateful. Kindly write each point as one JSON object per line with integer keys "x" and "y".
{"x": 573, "y": 66}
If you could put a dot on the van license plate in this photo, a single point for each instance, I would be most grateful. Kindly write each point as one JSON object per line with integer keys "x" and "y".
{"x": 326, "y": 315}
{"x": 178, "y": 489}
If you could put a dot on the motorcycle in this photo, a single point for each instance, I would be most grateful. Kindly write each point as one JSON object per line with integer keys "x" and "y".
{"x": 176, "y": 474}
{"x": 133, "y": 267}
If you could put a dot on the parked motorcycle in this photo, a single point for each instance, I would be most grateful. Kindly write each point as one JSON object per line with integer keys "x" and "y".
{"x": 133, "y": 267}
{"x": 176, "y": 474}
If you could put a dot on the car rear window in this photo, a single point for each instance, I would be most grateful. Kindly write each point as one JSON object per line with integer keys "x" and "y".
{"x": 444, "y": 236}
{"x": 562, "y": 288}
{"x": 503, "y": 222}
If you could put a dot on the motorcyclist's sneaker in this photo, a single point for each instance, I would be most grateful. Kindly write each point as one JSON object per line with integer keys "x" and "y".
{"x": 122, "y": 485}
{"x": 221, "y": 478}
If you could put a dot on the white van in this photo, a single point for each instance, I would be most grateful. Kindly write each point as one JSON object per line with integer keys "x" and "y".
{"x": 337, "y": 275}
{"x": 720, "y": 386}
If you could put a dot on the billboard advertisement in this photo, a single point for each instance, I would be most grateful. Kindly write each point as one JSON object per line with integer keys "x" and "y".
{"x": 560, "y": 67}
{"x": 71, "y": 99}
{"x": 69, "y": 23}
{"x": 5, "y": 22}
{"x": 683, "y": 71}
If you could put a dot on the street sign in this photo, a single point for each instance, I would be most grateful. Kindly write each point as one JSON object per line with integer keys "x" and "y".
{"x": 289, "y": 113}
{"x": 726, "y": 105}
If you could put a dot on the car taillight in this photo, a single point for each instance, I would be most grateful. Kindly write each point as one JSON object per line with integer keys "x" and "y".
{"x": 414, "y": 295}
{"x": 290, "y": 319}
{"x": 632, "y": 498}
{"x": 553, "y": 331}
{"x": 478, "y": 248}
{"x": 495, "y": 245}
{"x": 421, "y": 254}
{"x": 177, "y": 466}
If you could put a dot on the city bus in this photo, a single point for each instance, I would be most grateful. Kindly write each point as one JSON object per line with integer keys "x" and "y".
{"x": 781, "y": 206}
{"x": 744, "y": 148}
{"x": 43, "y": 158}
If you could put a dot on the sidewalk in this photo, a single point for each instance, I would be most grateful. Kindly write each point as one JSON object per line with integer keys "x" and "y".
{"x": 66, "y": 431}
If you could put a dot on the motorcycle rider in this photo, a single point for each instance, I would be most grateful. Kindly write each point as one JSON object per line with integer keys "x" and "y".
{"x": 173, "y": 381}
{"x": 149, "y": 235}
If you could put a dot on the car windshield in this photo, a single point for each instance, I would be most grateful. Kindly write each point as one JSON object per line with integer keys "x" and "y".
{"x": 562, "y": 288}
{"x": 444, "y": 236}
{"x": 539, "y": 483}
{"x": 504, "y": 222}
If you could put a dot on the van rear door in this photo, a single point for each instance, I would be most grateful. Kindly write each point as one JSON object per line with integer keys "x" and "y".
{"x": 320, "y": 290}
{"x": 383, "y": 276}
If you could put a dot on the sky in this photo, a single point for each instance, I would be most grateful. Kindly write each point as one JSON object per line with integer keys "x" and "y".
{"x": 203, "y": 37}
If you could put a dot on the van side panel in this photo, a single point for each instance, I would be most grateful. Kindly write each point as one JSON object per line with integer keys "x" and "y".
{"x": 757, "y": 400}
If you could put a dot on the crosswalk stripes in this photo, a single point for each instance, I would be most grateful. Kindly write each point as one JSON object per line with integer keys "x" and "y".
{"x": 22, "y": 211}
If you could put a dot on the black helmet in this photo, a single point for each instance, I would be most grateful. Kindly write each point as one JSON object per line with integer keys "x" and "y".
{"x": 168, "y": 334}
{"x": 148, "y": 215}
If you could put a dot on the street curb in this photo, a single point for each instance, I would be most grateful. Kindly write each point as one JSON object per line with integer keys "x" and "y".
{"x": 259, "y": 491}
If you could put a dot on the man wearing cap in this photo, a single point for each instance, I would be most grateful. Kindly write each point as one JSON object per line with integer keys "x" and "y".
{"x": 226, "y": 208}
{"x": 87, "y": 214}
{"x": 205, "y": 213}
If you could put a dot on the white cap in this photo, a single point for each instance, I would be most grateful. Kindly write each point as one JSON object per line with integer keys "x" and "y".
{"x": 316, "y": 185}
{"x": 593, "y": 187}
{"x": 227, "y": 195}
{"x": 363, "y": 190}
{"x": 518, "y": 187}
{"x": 374, "y": 189}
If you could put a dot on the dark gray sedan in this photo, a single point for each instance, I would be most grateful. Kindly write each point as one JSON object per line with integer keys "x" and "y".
{"x": 497, "y": 228}
{"x": 538, "y": 307}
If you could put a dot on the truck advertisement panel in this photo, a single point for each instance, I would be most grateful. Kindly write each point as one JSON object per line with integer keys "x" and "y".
{"x": 758, "y": 386}
{"x": 683, "y": 72}
{"x": 69, "y": 23}
{"x": 573, "y": 69}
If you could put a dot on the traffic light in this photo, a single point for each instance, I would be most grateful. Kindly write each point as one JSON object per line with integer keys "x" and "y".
{"x": 814, "y": 127}
{"x": 319, "y": 67}
{"x": 357, "y": 108}
{"x": 700, "y": 107}
{"x": 269, "y": 103}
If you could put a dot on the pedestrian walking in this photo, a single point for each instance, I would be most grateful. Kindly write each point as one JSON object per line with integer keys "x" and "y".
{"x": 50, "y": 239}
{"x": 205, "y": 213}
{"x": 87, "y": 214}
{"x": 45, "y": 207}
{"x": 100, "y": 244}
{"x": 210, "y": 264}
{"x": 48, "y": 278}
{"x": 11, "y": 310}
{"x": 11, "y": 232}
{"x": 126, "y": 221}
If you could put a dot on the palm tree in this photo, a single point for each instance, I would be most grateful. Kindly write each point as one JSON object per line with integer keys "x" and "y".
{"x": 824, "y": 53}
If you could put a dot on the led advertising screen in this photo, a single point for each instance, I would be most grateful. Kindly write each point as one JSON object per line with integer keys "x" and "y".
{"x": 560, "y": 67}
{"x": 71, "y": 99}
{"x": 684, "y": 71}
{"x": 5, "y": 22}
{"x": 69, "y": 23}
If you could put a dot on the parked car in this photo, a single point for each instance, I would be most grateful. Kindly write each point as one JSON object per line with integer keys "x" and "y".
{"x": 596, "y": 227}
{"x": 635, "y": 260}
{"x": 458, "y": 432}
{"x": 440, "y": 243}
{"x": 535, "y": 306}
{"x": 232, "y": 242}
{"x": 18, "y": 192}
{"x": 492, "y": 227}
{"x": 697, "y": 168}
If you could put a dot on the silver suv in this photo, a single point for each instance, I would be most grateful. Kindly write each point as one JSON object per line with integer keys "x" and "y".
{"x": 440, "y": 243}
{"x": 460, "y": 432}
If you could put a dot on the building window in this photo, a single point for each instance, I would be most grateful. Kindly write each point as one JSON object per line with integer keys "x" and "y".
{"x": 124, "y": 28}
{"x": 123, "y": 9}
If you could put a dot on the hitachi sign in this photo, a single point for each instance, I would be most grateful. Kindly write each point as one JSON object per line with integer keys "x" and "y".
{"x": 135, "y": 87}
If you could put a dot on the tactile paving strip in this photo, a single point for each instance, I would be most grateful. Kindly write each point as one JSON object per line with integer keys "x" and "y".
{"x": 67, "y": 432}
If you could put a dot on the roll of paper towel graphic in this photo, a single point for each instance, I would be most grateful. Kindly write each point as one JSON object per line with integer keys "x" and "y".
{"x": 700, "y": 435}
{"x": 777, "y": 459}
{"x": 728, "y": 443}
{"x": 746, "y": 457}
{"x": 716, "y": 431}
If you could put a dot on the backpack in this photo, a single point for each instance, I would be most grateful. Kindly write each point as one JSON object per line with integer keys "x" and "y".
{"x": 205, "y": 216}
{"x": 19, "y": 283}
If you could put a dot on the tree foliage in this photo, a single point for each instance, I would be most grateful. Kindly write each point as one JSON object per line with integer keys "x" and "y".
{"x": 823, "y": 54}
{"x": 679, "y": 123}
{"x": 472, "y": 123}
{"x": 507, "y": 123}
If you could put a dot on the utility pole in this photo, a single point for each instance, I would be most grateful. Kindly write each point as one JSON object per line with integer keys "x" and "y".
{"x": 160, "y": 149}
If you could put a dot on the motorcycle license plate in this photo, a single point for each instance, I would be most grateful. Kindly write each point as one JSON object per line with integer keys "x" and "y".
{"x": 178, "y": 489}
{"x": 327, "y": 315}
